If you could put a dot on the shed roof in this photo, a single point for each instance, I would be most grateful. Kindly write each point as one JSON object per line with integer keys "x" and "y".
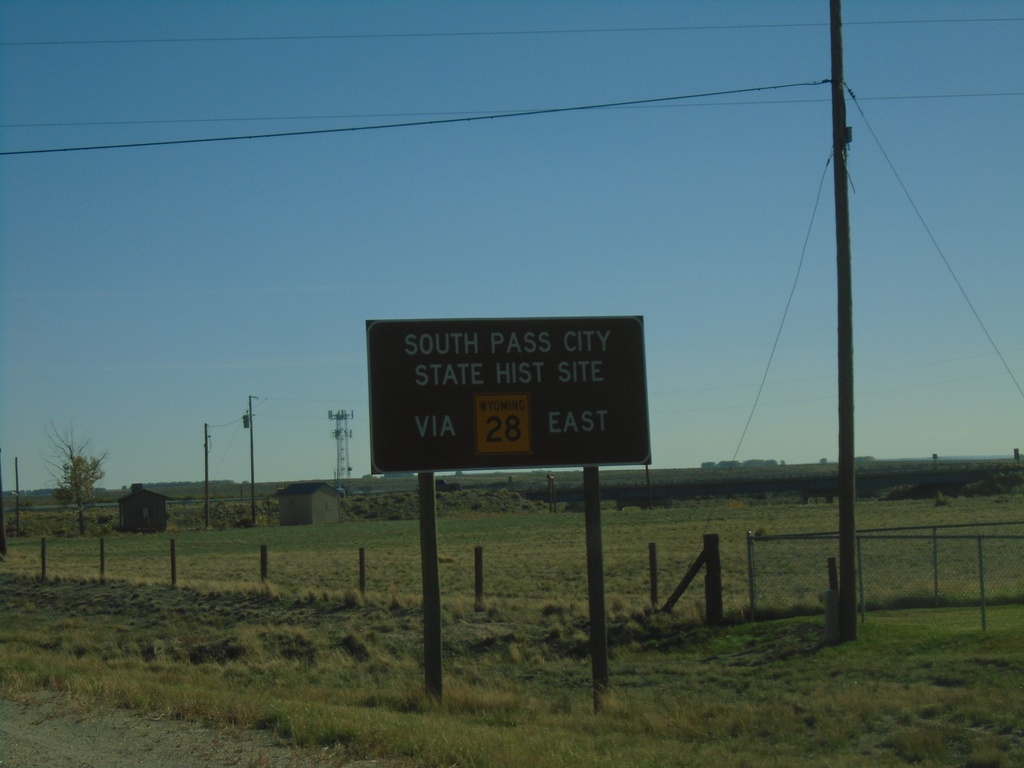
{"x": 140, "y": 491}
{"x": 307, "y": 489}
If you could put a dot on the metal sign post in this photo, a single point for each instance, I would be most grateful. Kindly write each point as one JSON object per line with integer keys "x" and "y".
{"x": 595, "y": 584}
{"x": 431, "y": 585}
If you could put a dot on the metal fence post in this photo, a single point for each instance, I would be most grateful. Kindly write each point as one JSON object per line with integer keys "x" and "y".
{"x": 981, "y": 582}
{"x": 860, "y": 581}
{"x": 895, "y": 551}
{"x": 750, "y": 576}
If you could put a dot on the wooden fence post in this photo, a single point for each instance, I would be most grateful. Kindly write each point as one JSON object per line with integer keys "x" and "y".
{"x": 103, "y": 560}
{"x": 833, "y": 575}
{"x": 263, "y": 562}
{"x": 652, "y": 559}
{"x": 751, "y": 576}
{"x": 478, "y": 570}
{"x": 710, "y": 560}
{"x": 174, "y": 565}
{"x": 42, "y": 555}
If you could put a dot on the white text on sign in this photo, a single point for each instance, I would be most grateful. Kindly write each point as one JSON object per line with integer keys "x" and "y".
{"x": 560, "y": 422}
{"x": 468, "y": 393}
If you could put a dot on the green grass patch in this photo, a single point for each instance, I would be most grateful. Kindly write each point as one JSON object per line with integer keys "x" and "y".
{"x": 309, "y": 658}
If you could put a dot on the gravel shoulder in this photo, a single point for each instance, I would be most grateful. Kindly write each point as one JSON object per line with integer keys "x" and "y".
{"x": 45, "y": 731}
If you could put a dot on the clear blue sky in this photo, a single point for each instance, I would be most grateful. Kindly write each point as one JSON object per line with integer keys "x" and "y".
{"x": 147, "y": 291}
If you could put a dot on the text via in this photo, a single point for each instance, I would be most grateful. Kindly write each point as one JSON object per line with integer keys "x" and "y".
{"x": 433, "y": 425}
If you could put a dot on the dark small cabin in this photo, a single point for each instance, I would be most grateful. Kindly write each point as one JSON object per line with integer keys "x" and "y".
{"x": 142, "y": 510}
{"x": 309, "y": 504}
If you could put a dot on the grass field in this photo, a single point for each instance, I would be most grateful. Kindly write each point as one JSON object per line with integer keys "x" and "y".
{"x": 309, "y": 657}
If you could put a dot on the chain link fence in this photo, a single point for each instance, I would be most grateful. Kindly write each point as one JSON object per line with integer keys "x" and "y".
{"x": 973, "y": 574}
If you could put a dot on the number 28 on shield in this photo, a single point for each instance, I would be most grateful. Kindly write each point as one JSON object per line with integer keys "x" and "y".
{"x": 502, "y": 423}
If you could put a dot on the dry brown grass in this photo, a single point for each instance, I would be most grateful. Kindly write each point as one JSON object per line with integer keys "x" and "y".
{"x": 312, "y": 659}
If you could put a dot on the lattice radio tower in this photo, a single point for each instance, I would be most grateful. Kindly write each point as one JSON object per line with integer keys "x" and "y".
{"x": 341, "y": 434}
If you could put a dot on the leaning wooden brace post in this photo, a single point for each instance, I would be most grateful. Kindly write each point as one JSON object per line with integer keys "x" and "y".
{"x": 687, "y": 579}
{"x": 595, "y": 583}
{"x": 431, "y": 586}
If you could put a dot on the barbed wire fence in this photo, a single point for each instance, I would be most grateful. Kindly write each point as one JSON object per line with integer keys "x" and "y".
{"x": 968, "y": 572}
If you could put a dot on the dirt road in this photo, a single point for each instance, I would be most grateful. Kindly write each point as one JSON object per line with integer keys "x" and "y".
{"x": 43, "y": 731}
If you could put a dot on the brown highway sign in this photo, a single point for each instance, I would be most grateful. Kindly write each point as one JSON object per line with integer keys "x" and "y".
{"x": 493, "y": 393}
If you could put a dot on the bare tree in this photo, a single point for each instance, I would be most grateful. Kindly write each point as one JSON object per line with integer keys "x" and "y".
{"x": 73, "y": 470}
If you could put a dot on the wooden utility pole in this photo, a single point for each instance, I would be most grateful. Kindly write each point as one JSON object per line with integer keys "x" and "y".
{"x": 3, "y": 520}
{"x": 847, "y": 478}
{"x": 252, "y": 468}
{"x": 17, "y": 500}
{"x": 206, "y": 475}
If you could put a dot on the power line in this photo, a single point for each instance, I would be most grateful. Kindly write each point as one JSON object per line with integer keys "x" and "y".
{"x": 412, "y": 124}
{"x": 782, "y": 323}
{"x": 935, "y": 244}
{"x": 483, "y": 113}
{"x": 785, "y": 312}
{"x": 718, "y": 388}
{"x": 505, "y": 33}
{"x": 832, "y": 396}
{"x": 225, "y": 424}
